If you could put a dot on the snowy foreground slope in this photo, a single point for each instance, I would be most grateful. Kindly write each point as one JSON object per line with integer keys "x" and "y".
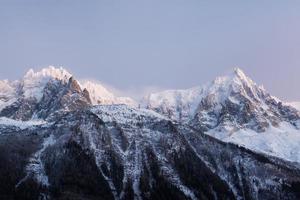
{"x": 235, "y": 109}
{"x": 56, "y": 142}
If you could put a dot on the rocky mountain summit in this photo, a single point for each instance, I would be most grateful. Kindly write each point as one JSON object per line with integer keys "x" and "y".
{"x": 233, "y": 99}
{"x": 59, "y": 139}
{"x": 41, "y": 94}
{"x": 235, "y": 109}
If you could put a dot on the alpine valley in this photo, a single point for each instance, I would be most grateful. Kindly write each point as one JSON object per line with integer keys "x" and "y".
{"x": 63, "y": 138}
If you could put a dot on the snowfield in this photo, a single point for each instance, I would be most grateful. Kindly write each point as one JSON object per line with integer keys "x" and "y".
{"x": 282, "y": 141}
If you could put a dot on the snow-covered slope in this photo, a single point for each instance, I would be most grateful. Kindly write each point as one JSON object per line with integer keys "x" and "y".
{"x": 101, "y": 96}
{"x": 281, "y": 141}
{"x": 235, "y": 109}
{"x": 176, "y": 104}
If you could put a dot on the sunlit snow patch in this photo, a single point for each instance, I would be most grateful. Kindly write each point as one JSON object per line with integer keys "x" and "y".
{"x": 282, "y": 141}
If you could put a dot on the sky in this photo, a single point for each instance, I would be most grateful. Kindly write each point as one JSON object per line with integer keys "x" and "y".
{"x": 158, "y": 44}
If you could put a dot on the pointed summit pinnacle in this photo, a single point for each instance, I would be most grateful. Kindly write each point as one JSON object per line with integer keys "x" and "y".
{"x": 239, "y": 72}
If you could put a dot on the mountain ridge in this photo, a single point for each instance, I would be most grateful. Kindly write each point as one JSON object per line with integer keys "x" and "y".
{"x": 36, "y": 88}
{"x": 240, "y": 142}
{"x": 232, "y": 108}
{"x": 32, "y": 84}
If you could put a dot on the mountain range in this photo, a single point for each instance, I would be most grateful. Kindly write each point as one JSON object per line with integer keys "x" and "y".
{"x": 63, "y": 138}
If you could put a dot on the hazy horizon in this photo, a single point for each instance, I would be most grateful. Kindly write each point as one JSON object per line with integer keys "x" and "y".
{"x": 139, "y": 45}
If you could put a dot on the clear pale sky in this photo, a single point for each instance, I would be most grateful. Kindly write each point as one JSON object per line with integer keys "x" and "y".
{"x": 158, "y": 43}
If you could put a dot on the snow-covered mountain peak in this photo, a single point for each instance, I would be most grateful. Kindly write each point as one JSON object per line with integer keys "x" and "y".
{"x": 233, "y": 100}
{"x": 240, "y": 73}
{"x": 235, "y": 109}
{"x": 235, "y": 80}
{"x": 49, "y": 72}
{"x": 242, "y": 78}
{"x": 182, "y": 104}
{"x": 42, "y": 93}
{"x": 234, "y": 86}
{"x": 33, "y": 82}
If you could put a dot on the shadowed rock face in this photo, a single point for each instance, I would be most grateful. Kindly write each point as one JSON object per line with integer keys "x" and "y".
{"x": 22, "y": 109}
{"x": 60, "y": 96}
{"x": 118, "y": 152}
